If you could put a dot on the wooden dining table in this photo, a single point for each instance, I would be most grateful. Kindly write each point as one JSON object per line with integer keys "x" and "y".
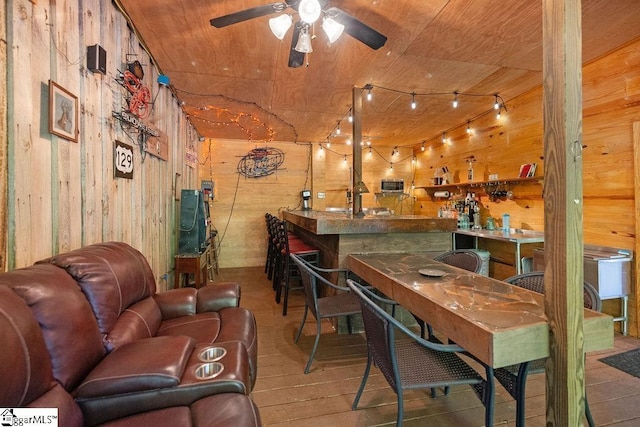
{"x": 499, "y": 323}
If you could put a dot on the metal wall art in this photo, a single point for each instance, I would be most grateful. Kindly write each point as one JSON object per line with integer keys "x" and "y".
{"x": 261, "y": 162}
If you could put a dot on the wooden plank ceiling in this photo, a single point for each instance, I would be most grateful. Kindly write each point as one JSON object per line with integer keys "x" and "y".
{"x": 235, "y": 82}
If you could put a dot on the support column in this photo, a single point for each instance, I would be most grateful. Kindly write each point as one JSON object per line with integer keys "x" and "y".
{"x": 357, "y": 151}
{"x": 562, "y": 105}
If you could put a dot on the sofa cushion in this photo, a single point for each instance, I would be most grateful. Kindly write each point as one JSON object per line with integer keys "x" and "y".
{"x": 203, "y": 328}
{"x": 112, "y": 275}
{"x": 140, "y": 320}
{"x": 221, "y": 410}
{"x": 26, "y": 379}
{"x": 145, "y": 364}
{"x": 25, "y": 369}
{"x": 69, "y": 328}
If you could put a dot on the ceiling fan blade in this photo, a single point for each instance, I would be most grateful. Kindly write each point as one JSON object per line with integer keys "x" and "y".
{"x": 245, "y": 15}
{"x": 357, "y": 29}
{"x": 296, "y": 59}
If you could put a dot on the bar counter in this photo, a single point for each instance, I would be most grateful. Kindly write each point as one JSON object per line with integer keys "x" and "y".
{"x": 338, "y": 234}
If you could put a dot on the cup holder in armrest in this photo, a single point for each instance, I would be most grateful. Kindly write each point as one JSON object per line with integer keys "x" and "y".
{"x": 209, "y": 370}
{"x": 212, "y": 354}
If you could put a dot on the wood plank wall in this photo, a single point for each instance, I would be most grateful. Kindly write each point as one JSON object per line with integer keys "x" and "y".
{"x": 63, "y": 195}
{"x": 611, "y": 103}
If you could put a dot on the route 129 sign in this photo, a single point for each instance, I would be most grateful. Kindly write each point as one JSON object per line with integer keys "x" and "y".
{"x": 123, "y": 160}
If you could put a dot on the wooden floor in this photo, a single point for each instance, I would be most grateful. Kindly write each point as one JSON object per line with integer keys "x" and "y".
{"x": 286, "y": 396}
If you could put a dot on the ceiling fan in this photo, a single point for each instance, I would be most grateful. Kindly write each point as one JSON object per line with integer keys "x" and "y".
{"x": 335, "y": 21}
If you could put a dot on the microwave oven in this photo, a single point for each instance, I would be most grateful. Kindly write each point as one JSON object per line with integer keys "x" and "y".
{"x": 392, "y": 185}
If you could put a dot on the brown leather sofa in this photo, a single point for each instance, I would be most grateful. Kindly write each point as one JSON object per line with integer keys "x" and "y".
{"x": 96, "y": 341}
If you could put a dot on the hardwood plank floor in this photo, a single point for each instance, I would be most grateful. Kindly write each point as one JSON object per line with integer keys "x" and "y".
{"x": 286, "y": 396}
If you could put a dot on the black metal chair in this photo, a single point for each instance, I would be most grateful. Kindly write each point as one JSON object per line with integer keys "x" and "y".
{"x": 514, "y": 377}
{"x": 414, "y": 363}
{"x": 322, "y": 307}
{"x": 466, "y": 259}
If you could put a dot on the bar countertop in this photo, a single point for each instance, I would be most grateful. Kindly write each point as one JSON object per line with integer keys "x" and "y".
{"x": 321, "y": 222}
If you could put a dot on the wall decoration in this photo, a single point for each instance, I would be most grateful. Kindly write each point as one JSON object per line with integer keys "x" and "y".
{"x": 63, "y": 112}
{"x": 261, "y": 162}
{"x": 122, "y": 160}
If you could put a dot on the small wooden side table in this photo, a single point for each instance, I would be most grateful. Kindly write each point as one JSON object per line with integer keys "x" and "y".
{"x": 196, "y": 264}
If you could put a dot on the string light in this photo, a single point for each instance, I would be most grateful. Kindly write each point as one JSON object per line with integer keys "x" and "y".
{"x": 338, "y": 129}
{"x": 369, "y": 96}
{"x": 345, "y": 158}
{"x": 413, "y": 101}
{"x": 455, "y": 99}
{"x": 422, "y": 148}
{"x": 348, "y": 141}
{"x": 496, "y": 105}
{"x": 350, "y": 115}
{"x": 444, "y": 137}
{"x": 499, "y": 113}
{"x": 469, "y": 126}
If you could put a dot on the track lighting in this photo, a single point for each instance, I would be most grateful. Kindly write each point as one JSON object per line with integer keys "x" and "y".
{"x": 455, "y": 99}
{"x": 413, "y": 100}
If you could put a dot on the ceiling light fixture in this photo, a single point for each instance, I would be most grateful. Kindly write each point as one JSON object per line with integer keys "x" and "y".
{"x": 304, "y": 41}
{"x": 455, "y": 99}
{"x": 309, "y": 10}
{"x": 280, "y": 25}
{"x": 332, "y": 29}
{"x": 368, "y": 87}
{"x": 413, "y": 101}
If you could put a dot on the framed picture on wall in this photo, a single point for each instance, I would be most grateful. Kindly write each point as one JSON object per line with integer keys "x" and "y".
{"x": 63, "y": 112}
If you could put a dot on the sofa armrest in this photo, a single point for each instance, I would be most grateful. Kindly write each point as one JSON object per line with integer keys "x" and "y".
{"x": 187, "y": 301}
{"x": 217, "y": 296}
{"x": 145, "y": 364}
{"x": 177, "y": 302}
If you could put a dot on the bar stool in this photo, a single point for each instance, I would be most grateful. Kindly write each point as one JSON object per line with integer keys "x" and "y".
{"x": 290, "y": 244}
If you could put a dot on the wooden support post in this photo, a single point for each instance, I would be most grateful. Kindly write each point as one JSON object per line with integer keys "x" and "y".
{"x": 562, "y": 105}
{"x": 636, "y": 174}
{"x": 357, "y": 150}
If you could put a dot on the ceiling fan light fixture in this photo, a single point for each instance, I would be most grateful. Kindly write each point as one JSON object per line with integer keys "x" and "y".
{"x": 309, "y": 10}
{"x": 280, "y": 25}
{"x": 304, "y": 41}
{"x": 332, "y": 29}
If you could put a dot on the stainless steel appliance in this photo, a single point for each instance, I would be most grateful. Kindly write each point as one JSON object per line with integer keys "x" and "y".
{"x": 608, "y": 270}
{"x": 392, "y": 186}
